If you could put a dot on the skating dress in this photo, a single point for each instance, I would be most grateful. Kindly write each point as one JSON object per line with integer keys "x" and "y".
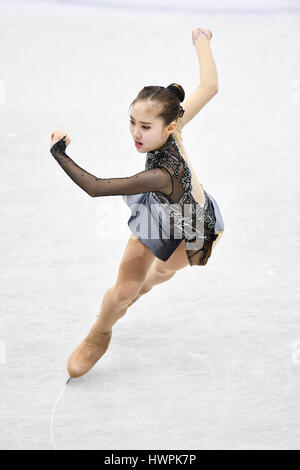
{"x": 163, "y": 210}
{"x": 176, "y": 215}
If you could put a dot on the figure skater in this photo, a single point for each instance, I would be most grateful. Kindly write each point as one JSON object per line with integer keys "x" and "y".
{"x": 168, "y": 183}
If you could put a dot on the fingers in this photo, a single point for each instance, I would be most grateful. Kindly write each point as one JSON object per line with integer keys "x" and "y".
{"x": 198, "y": 31}
{"x": 57, "y": 135}
{"x": 209, "y": 33}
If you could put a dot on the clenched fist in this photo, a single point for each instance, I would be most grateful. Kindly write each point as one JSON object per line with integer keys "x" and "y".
{"x": 56, "y": 136}
{"x": 200, "y": 31}
{"x": 59, "y": 142}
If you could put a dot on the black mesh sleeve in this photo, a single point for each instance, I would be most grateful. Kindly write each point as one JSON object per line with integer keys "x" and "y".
{"x": 156, "y": 179}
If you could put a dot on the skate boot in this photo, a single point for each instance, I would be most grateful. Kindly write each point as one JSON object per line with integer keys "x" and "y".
{"x": 85, "y": 356}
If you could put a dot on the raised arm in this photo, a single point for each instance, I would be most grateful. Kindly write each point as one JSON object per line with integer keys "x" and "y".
{"x": 156, "y": 179}
{"x": 208, "y": 85}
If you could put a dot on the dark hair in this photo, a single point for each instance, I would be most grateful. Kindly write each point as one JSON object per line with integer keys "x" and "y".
{"x": 169, "y": 98}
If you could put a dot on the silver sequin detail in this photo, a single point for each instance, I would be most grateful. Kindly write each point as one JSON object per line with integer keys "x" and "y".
{"x": 164, "y": 155}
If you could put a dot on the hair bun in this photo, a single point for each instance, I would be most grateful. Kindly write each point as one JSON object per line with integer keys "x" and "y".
{"x": 178, "y": 90}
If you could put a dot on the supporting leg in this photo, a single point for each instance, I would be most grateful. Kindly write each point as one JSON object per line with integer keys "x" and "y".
{"x": 132, "y": 272}
{"x": 85, "y": 356}
{"x": 111, "y": 310}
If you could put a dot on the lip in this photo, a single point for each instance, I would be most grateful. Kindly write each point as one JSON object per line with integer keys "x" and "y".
{"x": 137, "y": 145}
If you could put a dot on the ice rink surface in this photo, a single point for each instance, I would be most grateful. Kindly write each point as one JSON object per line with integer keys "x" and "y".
{"x": 210, "y": 359}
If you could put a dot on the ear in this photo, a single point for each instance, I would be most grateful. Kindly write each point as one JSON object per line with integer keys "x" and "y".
{"x": 172, "y": 126}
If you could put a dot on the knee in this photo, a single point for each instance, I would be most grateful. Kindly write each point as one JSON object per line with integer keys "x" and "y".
{"x": 125, "y": 293}
{"x": 163, "y": 271}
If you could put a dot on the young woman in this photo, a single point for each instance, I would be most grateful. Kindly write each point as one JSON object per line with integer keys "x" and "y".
{"x": 167, "y": 187}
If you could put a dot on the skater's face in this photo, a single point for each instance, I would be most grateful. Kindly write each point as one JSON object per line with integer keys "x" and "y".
{"x": 146, "y": 128}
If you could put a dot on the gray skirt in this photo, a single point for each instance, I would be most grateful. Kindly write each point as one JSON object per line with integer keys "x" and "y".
{"x": 148, "y": 224}
{"x": 219, "y": 225}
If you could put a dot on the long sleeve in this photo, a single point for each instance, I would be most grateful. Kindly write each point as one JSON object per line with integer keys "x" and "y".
{"x": 156, "y": 179}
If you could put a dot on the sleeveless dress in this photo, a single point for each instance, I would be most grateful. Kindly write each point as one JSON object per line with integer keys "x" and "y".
{"x": 162, "y": 221}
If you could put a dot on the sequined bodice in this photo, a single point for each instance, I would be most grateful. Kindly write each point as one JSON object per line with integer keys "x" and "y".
{"x": 168, "y": 155}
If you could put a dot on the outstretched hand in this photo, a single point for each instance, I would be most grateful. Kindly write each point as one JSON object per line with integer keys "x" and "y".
{"x": 197, "y": 32}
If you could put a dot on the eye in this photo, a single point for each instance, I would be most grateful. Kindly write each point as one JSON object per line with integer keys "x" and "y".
{"x": 145, "y": 127}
